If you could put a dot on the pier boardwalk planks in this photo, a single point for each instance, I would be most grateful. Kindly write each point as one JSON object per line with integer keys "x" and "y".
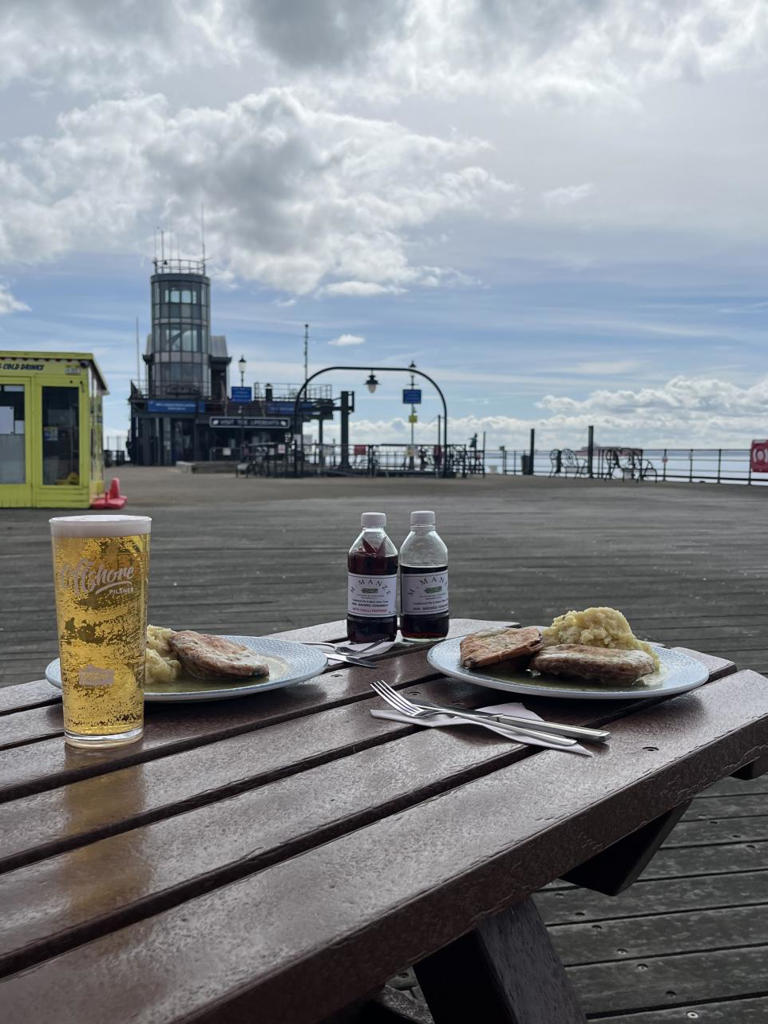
{"x": 681, "y": 561}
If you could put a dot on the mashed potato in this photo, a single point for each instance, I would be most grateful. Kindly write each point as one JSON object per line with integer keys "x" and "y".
{"x": 162, "y": 666}
{"x": 596, "y": 627}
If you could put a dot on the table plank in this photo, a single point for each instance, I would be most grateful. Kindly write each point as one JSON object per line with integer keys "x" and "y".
{"x": 38, "y": 766}
{"x": 163, "y": 863}
{"x": 37, "y": 824}
{"x": 27, "y": 695}
{"x": 31, "y": 721}
{"x": 403, "y": 886}
{"x": 56, "y": 819}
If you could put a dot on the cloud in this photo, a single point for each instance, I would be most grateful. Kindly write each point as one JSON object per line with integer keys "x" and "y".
{"x": 8, "y": 302}
{"x": 567, "y": 194}
{"x": 565, "y": 51}
{"x": 86, "y": 45}
{"x": 700, "y": 412}
{"x": 344, "y": 340}
{"x": 357, "y": 288}
{"x": 683, "y": 413}
{"x": 296, "y": 197}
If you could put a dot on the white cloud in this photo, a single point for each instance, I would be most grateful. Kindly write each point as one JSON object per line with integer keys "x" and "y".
{"x": 9, "y": 303}
{"x": 344, "y": 340}
{"x": 566, "y": 195}
{"x": 552, "y": 52}
{"x": 296, "y": 196}
{"x": 683, "y": 413}
{"x": 330, "y": 180}
{"x": 699, "y": 412}
{"x": 357, "y": 288}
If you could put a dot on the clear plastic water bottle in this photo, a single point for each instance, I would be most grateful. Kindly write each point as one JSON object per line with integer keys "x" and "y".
{"x": 372, "y": 582}
{"x": 424, "y": 612}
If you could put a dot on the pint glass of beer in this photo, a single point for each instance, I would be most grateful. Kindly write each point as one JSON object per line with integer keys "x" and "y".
{"x": 101, "y": 571}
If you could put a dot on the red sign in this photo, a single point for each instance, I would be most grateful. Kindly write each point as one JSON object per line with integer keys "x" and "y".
{"x": 361, "y": 449}
{"x": 758, "y": 457}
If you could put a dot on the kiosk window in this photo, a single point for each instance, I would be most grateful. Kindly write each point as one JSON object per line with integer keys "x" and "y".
{"x": 61, "y": 436}
{"x": 13, "y": 469}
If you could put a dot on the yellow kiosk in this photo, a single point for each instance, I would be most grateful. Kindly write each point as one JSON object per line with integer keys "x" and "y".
{"x": 51, "y": 453}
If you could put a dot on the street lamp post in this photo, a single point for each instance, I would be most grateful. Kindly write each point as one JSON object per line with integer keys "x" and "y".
{"x": 372, "y": 383}
{"x": 411, "y": 419}
{"x": 242, "y": 366}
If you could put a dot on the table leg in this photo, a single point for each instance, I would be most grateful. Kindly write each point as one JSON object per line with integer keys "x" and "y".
{"x": 619, "y": 865}
{"x": 506, "y": 971}
{"x": 753, "y": 770}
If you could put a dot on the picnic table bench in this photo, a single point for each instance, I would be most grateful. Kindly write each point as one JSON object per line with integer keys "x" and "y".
{"x": 278, "y": 857}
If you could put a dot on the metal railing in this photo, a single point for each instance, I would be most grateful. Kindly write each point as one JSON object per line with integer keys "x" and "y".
{"x": 357, "y": 460}
{"x": 288, "y": 392}
{"x": 176, "y": 265}
{"x": 180, "y": 390}
{"x": 650, "y": 465}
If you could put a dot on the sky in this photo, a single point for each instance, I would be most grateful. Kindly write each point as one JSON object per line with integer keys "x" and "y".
{"x": 556, "y": 208}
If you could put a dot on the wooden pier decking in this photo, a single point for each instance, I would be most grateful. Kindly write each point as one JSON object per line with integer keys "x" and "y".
{"x": 689, "y": 941}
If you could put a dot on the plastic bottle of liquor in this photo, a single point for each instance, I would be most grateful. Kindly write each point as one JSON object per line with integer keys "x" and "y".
{"x": 424, "y": 613}
{"x": 372, "y": 582}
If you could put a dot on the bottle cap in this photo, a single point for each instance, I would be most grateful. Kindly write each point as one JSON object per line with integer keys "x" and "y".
{"x": 422, "y": 518}
{"x": 373, "y": 520}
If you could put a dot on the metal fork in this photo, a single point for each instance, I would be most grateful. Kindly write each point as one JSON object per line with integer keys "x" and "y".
{"x": 576, "y": 732}
{"x": 405, "y": 707}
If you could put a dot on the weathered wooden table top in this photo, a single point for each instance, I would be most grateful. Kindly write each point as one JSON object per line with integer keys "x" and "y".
{"x": 278, "y": 856}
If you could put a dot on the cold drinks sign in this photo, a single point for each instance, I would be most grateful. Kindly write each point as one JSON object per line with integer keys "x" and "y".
{"x": 758, "y": 457}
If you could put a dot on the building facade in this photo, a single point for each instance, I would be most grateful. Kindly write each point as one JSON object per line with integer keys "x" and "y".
{"x": 50, "y": 429}
{"x": 184, "y": 411}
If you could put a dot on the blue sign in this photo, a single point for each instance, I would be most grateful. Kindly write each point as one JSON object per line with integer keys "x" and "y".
{"x": 242, "y": 394}
{"x": 411, "y": 396}
{"x": 171, "y": 405}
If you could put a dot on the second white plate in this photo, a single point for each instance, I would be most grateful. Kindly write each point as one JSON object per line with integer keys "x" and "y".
{"x": 679, "y": 672}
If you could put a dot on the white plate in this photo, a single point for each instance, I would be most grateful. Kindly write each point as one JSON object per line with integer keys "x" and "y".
{"x": 678, "y": 673}
{"x": 289, "y": 663}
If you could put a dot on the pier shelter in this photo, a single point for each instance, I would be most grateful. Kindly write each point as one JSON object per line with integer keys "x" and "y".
{"x": 51, "y": 453}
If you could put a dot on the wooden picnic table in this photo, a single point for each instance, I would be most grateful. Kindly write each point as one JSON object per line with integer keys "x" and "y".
{"x": 278, "y": 857}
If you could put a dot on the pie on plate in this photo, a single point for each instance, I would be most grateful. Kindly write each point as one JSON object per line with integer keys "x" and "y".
{"x": 491, "y": 646}
{"x": 601, "y": 664}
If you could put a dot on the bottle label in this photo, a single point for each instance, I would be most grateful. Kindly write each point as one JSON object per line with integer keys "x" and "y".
{"x": 371, "y": 596}
{"x": 424, "y": 591}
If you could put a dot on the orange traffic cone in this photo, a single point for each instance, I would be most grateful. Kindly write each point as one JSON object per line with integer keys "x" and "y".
{"x": 114, "y": 498}
{"x": 111, "y": 498}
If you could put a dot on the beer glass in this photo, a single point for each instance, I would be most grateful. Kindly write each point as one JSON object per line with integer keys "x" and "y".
{"x": 101, "y": 570}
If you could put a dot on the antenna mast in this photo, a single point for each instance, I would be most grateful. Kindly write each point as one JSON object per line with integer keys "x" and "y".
{"x": 202, "y": 231}
{"x": 306, "y": 352}
{"x": 138, "y": 357}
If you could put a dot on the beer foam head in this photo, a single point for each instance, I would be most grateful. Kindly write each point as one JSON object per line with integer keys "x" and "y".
{"x": 99, "y": 526}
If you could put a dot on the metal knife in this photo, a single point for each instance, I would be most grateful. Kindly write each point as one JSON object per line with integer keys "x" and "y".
{"x": 336, "y": 656}
{"x": 576, "y": 732}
